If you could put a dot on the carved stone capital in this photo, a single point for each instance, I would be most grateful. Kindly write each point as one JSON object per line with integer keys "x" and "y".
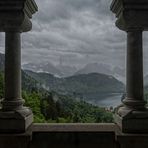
{"x": 131, "y": 14}
{"x": 15, "y": 15}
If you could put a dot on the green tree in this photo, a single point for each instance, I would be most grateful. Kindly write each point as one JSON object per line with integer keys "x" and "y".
{"x": 32, "y": 100}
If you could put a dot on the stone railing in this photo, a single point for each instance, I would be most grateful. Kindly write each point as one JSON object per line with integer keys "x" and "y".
{"x": 73, "y": 136}
{"x": 16, "y": 128}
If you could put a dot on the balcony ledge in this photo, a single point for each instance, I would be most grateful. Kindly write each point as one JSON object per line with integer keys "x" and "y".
{"x": 74, "y": 127}
{"x": 74, "y": 136}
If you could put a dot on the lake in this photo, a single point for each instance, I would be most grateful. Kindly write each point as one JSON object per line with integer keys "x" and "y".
{"x": 107, "y": 100}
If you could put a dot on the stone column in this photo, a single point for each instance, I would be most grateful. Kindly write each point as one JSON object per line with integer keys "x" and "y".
{"x": 14, "y": 117}
{"x": 15, "y": 19}
{"x": 13, "y": 99}
{"x": 132, "y": 116}
{"x": 132, "y": 15}
{"x": 134, "y": 76}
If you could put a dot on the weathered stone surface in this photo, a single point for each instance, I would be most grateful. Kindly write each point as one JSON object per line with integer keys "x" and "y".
{"x": 15, "y": 121}
{"x": 15, "y": 15}
{"x": 74, "y": 127}
{"x": 134, "y": 122}
{"x": 15, "y": 18}
{"x": 132, "y": 117}
{"x": 132, "y": 140}
{"x": 73, "y": 136}
{"x": 131, "y": 14}
{"x": 13, "y": 116}
{"x": 15, "y": 140}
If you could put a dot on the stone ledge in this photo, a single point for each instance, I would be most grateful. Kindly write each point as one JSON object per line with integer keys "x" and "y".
{"x": 74, "y": 136}
{"x": 72, "y": 127}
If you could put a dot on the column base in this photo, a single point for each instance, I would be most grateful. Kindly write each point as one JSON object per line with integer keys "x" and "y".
{"x": 132, "y": 121}
{"x": 15, "y": 121}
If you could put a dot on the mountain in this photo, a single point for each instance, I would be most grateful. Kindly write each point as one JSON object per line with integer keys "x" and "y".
{"x": 95, "y": 68}
{"x": 78, "y": 84}
{"x": 58, "y": 70}
{"x": 28, "y": 82}
{"x": 43, "y": 67}
{"x": 63, "y": 70}
{"x": 120, "y": 74}
{"x": 67, "y": 70}
{"x": 83, "y": 85}
{"x": 53, "y": 107}
{"x": 47, "y": 80}
{"x": 93, "y": 83}
{"x": 119, "y": 71}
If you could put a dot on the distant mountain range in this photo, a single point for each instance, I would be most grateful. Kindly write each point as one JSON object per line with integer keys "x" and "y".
{"x": 83, "y": 85}
{"x": 43, "y": 67}
{"x": 95, "y": 68}
{"x": 28, "y": 82}
{"x": 66, "y": 71}
{"x": 58, "y": 70}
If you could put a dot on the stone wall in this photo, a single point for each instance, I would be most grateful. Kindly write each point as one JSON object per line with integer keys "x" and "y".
{"x": 73, "y": 136}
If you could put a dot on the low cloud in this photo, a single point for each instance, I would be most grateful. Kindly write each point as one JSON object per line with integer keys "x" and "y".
{"x": 79, "y": 31}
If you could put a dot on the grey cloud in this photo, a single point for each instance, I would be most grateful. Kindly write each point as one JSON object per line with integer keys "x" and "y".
{"x": 79, "y": 31}
{"x": 80, "y": 27}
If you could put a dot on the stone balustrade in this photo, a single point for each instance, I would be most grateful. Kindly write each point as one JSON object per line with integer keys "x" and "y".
{"x": 73, "y": 136}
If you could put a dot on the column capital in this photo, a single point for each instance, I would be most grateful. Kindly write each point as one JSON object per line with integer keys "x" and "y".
{"x": 130, "y": 14}
{"x": 15, "y": 15}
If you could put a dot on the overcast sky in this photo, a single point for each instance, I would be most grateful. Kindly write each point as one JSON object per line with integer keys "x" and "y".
{"x": 78, "y": 31}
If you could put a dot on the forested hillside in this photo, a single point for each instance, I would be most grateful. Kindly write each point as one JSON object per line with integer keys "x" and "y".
{"x": 84, "y": 85}
{"x": 53, "y": 107}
